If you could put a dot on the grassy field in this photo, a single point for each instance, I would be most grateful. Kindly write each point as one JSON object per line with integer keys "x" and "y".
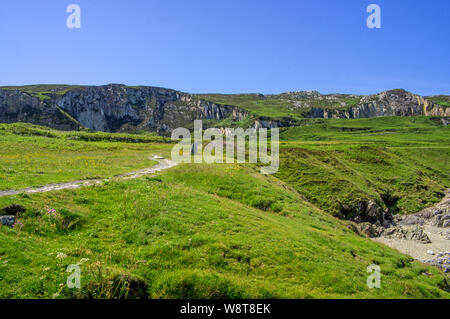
{"x": 282, "y": 106}
{"x": 198, "y": 231}
{"x": 293, "y": 106}
{"x": 33, "y": 156}
{"x": 218, "y": 231}
{"x": 402, "y": 163}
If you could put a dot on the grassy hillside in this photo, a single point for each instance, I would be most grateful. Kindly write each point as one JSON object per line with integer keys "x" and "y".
{"x": 443, "y": 100}
{"x": 218, "y": 231}
{"x": 402, "y": 163}
{"x": 197, "y": 231}
{"x": 287, "y": 105}
{"x": 31, "y": 155}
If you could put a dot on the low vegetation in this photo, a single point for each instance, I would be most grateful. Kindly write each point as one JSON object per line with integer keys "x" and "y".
{"x": 402, "y": 163}
{"x": 197, "y": 231}
{"x": 218, "y": 231}
{"x": 34, "y": 156}
{"x": 443, "y": 100}
{"x": 286, "y": 106}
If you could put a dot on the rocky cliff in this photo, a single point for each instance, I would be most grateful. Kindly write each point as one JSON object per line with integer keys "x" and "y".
{"x": 390, "y": 103}
{"x": 112, "y": 108}
{"x": 17, "y": 106}
{"x": 117, "y": 107}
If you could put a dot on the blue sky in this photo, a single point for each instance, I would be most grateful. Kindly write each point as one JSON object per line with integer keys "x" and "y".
{"x": 229, "y": 46}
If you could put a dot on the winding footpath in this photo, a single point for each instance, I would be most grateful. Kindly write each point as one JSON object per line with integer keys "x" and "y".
{"x": 162, "y": 165}
{"x": 434, "y": 221}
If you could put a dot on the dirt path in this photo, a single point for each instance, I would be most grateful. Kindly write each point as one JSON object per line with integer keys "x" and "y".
{"x": 163, "y": 164}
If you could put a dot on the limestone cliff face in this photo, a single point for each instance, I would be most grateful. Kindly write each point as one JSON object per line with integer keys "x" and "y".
{"x": 17, "y": 106}
{"x": 113, "y": 108}
{"x": 116, "y": 107}
{"x": 390, "y": 103}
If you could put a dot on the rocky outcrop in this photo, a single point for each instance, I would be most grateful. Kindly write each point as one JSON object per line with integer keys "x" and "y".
{"x": 415, "y": 233}
{"x": 419, "y": 235}
{"x": 269, "y": 124}
{"x": 436, "y": 216}
{"x": 113, "y": 108}
{"x": 375, "y": 222}
{"x": 17, "y": 106}
{"x": 117, "y": 107}
{"x": 372, "y": 213}
{"x": 7, "y": 220}
{"x": 440, "y": 260}
{"x": 390, "y": 103}
{"x": 266, "y": 124}
{"x": 367, "y": 212}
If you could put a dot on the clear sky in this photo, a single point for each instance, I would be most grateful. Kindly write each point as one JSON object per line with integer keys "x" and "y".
{"x": 229, "y": 46}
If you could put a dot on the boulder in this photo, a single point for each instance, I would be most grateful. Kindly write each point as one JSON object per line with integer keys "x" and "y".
{"x": 7, "y": 220}
{"x": 442, "y": 220}
{"x": 407, "y": 233}
{"x": 411, "y": 220}
{"x": 442, "y": 263}
{"x": 418, "y": 234}
{"x": 370, "y": 212}
{"x": 370, "y": 230}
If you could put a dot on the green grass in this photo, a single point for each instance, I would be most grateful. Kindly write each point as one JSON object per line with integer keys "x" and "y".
{"x": 280, "y": 107}
{"x": 199, "y": 231}
{"x": 443, "y": 100}
{"x": 43, "y": 91}
{"x": 219, "y": 231}
{"x": 256, "y": 105}
{"x": 399, "y": 162}
{"x": 31, "y": 155}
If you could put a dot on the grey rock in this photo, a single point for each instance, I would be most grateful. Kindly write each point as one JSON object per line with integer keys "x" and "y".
{"x": 411, "y": 220}
{"x": 442, "y": 263}
{"x": 407, "y": 233}
{"x": 17, "y": 106}
{"x": 390, "y": 103}
{"x": 418, "y": 234}
{"x": 117, "y": 107}
{"x": 370, "y": 230}
{"x": 7, "y": 220}
{"x": 370, "y": 212}
{"x": 437, "y": 216}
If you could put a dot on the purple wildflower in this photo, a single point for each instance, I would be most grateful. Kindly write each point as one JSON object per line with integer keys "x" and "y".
{"x": 18, "y": 223}
{"x": 51, "y": 212}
